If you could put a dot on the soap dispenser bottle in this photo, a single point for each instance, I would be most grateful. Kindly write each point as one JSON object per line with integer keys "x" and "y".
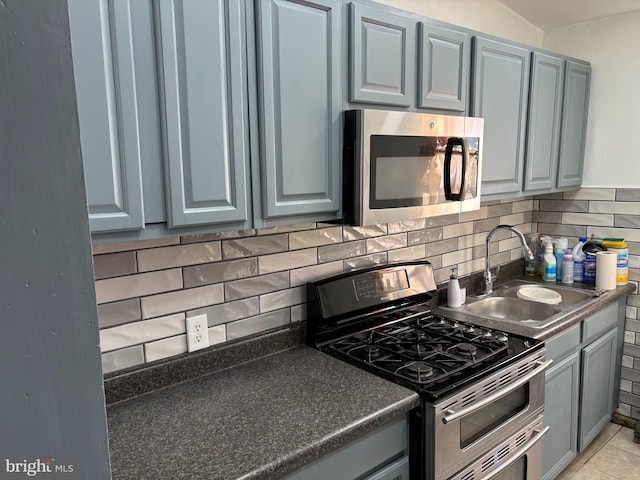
{"x": 454, "y": 296}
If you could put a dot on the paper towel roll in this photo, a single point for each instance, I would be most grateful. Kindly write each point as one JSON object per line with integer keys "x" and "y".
{"x": 606, "y": 265}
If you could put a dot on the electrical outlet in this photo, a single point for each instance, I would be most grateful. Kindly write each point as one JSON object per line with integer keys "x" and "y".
{"x": 197, "y": 333}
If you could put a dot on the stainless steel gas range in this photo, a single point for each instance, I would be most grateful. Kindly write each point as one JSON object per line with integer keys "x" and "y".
{"x": 482, "y": 391}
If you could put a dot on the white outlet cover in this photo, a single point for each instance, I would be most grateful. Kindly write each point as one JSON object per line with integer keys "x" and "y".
{"x": 197, "y": 333}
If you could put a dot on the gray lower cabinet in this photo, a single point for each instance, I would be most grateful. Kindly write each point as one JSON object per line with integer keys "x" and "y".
{"x": 500, "y": 94}
{"x": 102, "y": 42}
{"x": 382, "y": 63}
{"x": 300, "y": 109}
{"x": 577, "y": 85}
{"x": 580, "y": 387}
{"x": 202, "y": 62}
{"x": 378, "y": 455}
{"x": 445, "y": 57}
{"x": 561, "y": 403}
{"x": 543, "y": 127}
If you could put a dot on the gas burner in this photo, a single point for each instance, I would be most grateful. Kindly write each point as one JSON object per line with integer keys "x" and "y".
{"x": 464, "y": 349}
{"x": 366, "y": 352}
{"x": 413, "y": 336}
{"x": 420, "y": 371}
{"x": 501, "y": 337}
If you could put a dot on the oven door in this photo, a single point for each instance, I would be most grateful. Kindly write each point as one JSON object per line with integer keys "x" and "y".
{"x": 517, "y": 458}
{"x": 475, "y": 420}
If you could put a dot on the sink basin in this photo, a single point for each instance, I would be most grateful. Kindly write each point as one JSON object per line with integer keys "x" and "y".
{"x": 513, "y": 309}
{"x": 569, "y": 295}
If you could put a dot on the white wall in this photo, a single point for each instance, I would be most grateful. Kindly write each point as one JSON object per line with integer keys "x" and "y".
{"x": 611, "y": 45}
{"x": 486, "y": 16}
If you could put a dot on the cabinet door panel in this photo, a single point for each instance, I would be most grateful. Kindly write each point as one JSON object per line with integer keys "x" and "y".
{"x": 598, "y": 374}
{"x": 501, "y": 87}
{"x": 104, "y": 69}
{"x": 383, "y": 57}
{"x": 574, "y": 124}
{"x": 560, "y": 445}
{"x": 300, "y": 107}
{"x": 444, "y": 69}
{"x": 545, "y": 109}
{"x": 204, "y": 104}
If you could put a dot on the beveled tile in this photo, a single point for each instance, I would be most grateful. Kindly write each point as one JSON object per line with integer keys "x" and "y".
{"x": 441, "y": 220}
{"x": 217, "y": 334}
{"x": 591, "y": 194}
{"x": 499, "y": 210}
{"x": 628, "y": 195}
{"x": 182, "y": 300}
{"x": 485, "y": 225}
{"x": 384, "y": 243}
{"x": 547, "y": 217}
{"x": 475, "y": 240}
{"x": 627, "y": 221}
{"x": 406, "y": 225}
{"x": 121, "y": 288}
{"x": 262, "y": 245}
{"x": 259, "y": 323}
{"x": 300, "y": 276}
{"x": 592, "y": 219}
{"x": 286, "y": 228}
{"x": 341, "y": 251}
{"x": 438, "y": 248}
{"x": 457, "y": 230}
{"x": 315, "y": 238}
{"x": 115, "y": 313}
{"x": 577, "y": 206}
{"x": 366, "y": 261}
{"x": 625, "y": 208}
{"x": 358, "y": 233}
{"x": 480, "y": 214}
{"x": 298, "y": 313}
{"x": 629, "y": 234}
{"x": 114, "y": 264}
{"x": 408, "y": 254}
{"x": 282, "y": 299}
{"x": 250, "y": 287}
{"x": 562, "y": 230}
{"x": 208, "y": 237}
{"x": 278, "y": 262}
{"x": 219, "y": 272}
{"x": 459, "y": 256}
{"x": 177, "y": 256}
{"x": 99, "y": 248}
{"x": 523, "y": 206}
{"x": 424, "y": 236}
{"x": 167, "y": 347}
{"x": 125, "y": 358}
{"x": 141, "y": 332}
{"x": 514, "y": 219}
{"x": 228, "y": 311}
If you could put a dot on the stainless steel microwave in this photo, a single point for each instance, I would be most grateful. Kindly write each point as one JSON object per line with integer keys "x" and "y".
{"x": 402, "y": 165}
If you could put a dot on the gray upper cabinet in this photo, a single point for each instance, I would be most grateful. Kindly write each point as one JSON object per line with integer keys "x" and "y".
{"x": 383, "y": 57}
{"x": 574, "y": 123}
{"x": 105, "y": 76}
{"x": 500, "y": 94}
{"x": 202, "y": 57}
{"x": 445, "y": 56}
{"x": 300, "y": 106}
{"x": 543, "y": 128}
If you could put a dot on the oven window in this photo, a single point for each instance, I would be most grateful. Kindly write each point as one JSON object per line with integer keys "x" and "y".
{"x": 483, "y": 421}
{"x": 517, "y": 471}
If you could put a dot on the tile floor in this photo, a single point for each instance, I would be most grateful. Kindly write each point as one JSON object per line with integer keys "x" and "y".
{"x": 611, "y": 456}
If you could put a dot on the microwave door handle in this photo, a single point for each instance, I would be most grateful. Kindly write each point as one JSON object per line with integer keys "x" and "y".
{"x": 451, "y": 142}
{"x": 535, "y": 438}
{"x": 454, "y": 415}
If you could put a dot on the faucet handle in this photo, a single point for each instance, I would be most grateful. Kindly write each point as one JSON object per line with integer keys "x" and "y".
{"x": 495, "y": 275}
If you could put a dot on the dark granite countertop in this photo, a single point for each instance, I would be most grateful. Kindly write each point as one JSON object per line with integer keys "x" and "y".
{"x": 257, "y": 420}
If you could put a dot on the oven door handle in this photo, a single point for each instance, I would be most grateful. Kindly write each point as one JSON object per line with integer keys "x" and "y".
{"x": 535, "y": 438}
{"x": 454, "y": 415}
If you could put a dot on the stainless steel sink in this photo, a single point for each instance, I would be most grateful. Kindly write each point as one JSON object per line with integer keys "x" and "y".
{"x": 570, "y": 296}
{"x": 513, "y": 309}
{"x": 503, "y": 305}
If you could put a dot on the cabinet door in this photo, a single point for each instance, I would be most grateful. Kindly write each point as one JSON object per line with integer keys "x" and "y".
{"x": 204, "y": 99}
{"x": 545, "y": 109}
{"x": 104, "y": 70}
{"x": 574, "y": 124}
{"x": 445, "y": 56}
{"x": 300, "y": 107}
{"x": 501, "y": 88}
{"x": 562, "y": 387}
{"x": 383, "y": 57}
{"x": 598, "y": 374}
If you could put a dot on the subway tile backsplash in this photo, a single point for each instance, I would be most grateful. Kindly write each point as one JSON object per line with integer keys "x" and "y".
{"x": 252, "y": 281}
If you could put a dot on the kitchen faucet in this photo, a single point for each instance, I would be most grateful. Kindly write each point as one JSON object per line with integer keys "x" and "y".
{"x": 489, "y": 278}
